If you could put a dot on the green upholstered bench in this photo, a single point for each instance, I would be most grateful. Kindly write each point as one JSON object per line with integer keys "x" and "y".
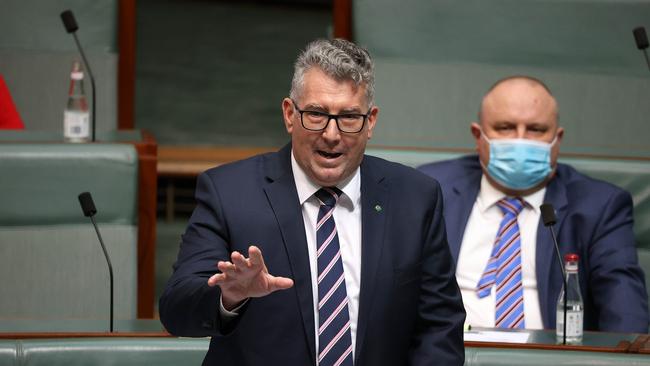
{"x": 528, "y": 357}
{"x": 129, "y": 351}
{"x": 51, "y": 264}
{"x": 436, "y": 59}
{"x": 190, "y": 351}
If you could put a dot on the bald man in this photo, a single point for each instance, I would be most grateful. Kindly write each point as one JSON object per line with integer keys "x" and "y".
{"x": 505, "y": 262}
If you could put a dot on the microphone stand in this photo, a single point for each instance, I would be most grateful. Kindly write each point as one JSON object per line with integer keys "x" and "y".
{"x": 564, "y": 282}
{"x": 92, "y": 79}
{"x": 108, "y": 261}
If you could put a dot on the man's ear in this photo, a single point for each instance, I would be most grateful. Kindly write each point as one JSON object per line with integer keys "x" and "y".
{"x": 372, "y": 120}
{"x": 288, "y": 112}
{"x": 475, "y": 129}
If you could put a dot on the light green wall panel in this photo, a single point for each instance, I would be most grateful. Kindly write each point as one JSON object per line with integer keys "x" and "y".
{"x": 435, "y": 60}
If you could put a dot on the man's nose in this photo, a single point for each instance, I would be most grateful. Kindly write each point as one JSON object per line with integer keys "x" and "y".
{"x": 331, "y": 130}
{"x": 521, "y": 132}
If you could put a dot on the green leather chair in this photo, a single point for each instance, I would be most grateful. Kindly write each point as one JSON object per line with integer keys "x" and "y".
{"x": 436, "y": 59}
{"x": 36, "y": 55}
{"x": 51, "y": 263}
{"x": 140, "y": 351}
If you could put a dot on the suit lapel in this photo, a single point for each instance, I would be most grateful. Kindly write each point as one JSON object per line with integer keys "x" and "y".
{"x": 458, "y": 207}
{"x": 283, "y": 198}
{"x": 545, "y": 256}
{"x": 375, "y": 205}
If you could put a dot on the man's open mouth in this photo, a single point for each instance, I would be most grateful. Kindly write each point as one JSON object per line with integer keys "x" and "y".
{"x": 329, "y": 155}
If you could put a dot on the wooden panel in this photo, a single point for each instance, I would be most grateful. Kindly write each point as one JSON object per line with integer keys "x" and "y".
{"x": 126, "y": 65}
{"x": 343, "y": 19}
{"x": 147, "y": 188}
{"x": 188, "y": 161}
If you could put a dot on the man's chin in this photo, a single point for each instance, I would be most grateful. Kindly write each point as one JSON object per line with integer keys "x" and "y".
{"x": 328, "y": 177}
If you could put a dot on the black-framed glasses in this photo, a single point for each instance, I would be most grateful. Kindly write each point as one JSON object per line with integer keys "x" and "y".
{"x": 318, "y": 121}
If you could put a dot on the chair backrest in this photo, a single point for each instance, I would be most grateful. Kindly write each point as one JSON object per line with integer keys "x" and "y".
{"x": 436, "y": 59}
{"x": 51, "y": 263}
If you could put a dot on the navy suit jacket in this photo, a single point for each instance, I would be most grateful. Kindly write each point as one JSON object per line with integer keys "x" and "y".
{"x": 410, "y": 307}
{"x": 594, "y": 220}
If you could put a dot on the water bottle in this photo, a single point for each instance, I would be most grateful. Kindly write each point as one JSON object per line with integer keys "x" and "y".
{"x": 76, "y": 126}
{"x": 575, "y": 307}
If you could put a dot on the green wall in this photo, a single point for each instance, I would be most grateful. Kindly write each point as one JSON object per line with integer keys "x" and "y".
{"x": 435, "y": 60}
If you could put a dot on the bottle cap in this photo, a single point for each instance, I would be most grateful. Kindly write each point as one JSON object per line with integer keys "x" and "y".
{"x": 571, "y": 257}
{"x": 77, "y": 72}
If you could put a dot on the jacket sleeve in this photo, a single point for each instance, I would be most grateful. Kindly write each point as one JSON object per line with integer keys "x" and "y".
{"x": 616, "y": 281}
{"x": 188, "y": 306}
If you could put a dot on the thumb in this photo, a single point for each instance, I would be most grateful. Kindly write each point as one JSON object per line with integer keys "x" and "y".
{"x": 279, "y": 283}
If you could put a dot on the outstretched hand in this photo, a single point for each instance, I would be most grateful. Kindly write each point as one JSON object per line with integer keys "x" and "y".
{"x": 243, "y": 277}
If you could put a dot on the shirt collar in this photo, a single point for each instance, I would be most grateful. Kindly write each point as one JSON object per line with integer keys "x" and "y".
{"x": 488, "y": 196}
{"x": 351, "y": 186}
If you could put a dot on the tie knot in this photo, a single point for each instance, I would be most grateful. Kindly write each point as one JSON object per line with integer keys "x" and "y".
{"x": 328, "y": 196}
{"x": 511, "y": 205}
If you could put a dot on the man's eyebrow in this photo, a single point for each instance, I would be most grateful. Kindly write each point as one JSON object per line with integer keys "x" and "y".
{"x": 320, "y": 108}
{"x": 315, "y": 107}
{"x": 355, "y": 110}
{"x": 538, "y": 125}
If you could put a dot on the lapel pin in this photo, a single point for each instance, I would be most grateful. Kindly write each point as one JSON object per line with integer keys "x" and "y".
{"x": 377, "y": 208}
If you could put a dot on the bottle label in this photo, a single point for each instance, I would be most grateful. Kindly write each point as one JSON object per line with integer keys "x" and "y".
{"x": 574, "y": 323}
{"x": 76, "y": 125}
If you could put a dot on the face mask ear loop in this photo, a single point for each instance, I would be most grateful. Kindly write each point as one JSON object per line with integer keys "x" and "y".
{"x": 483, "y": 134}
{"x": 488, "y": 141}
{"x": 551, "y": 144}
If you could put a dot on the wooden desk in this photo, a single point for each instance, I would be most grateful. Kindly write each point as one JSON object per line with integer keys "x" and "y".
{"x": 592, "y": 342}
{"x": 77, "y": 328}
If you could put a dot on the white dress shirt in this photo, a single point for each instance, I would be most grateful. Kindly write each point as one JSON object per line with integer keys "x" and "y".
{"x": 476, "y": 247}
{"x": 347, "y": 217}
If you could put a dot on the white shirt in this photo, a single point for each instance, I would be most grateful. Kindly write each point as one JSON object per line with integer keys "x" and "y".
{"x": 347, "y": 217}
{"x": 475, "y": 250}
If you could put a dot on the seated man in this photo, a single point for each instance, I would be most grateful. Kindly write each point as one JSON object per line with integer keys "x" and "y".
{"x": 516, "y": 170}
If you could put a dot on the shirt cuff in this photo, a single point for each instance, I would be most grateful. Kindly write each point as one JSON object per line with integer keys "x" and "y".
{"x": 229, "y": 314}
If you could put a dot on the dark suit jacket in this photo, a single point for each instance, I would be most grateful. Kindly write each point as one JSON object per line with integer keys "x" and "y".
{"x": 594, "y": 220}
{"x": 410, "y": 308}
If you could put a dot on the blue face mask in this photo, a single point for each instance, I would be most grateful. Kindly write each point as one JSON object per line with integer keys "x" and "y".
{"x": 519, "y": 164}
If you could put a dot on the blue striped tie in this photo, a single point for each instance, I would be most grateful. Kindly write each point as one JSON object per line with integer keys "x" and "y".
{"x": 334, "y": 338}
{"x": 504, "y": 269}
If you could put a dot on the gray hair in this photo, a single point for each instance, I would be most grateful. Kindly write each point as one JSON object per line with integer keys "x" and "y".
{"x": 339, "y": 59}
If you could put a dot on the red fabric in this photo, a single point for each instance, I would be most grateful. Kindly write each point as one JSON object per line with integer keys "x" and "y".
{"x": 9, "y": 117}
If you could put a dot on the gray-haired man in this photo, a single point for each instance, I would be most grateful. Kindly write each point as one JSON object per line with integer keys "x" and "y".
{"x": 318, "y": 254}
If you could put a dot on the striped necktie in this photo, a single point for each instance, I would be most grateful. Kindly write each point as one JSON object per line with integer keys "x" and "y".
{"x": 334, "y": 338}
{"x": 504, "y": 269}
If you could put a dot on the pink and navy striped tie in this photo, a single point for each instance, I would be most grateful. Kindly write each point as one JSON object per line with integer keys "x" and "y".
{"x": 334, "y": 338}
{"x": 504, "y": 269}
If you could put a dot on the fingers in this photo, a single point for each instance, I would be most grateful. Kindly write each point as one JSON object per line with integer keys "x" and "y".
{"x": 255, "y": 255}
{"x": 216, "y": 279}
{"x": 239, "y": 261}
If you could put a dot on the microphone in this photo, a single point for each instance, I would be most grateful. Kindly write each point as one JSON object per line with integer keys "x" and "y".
{"x": 549, "y": 219}
{"x": 89, "y": 210}
{"x": 641, "y": 39}
{"x": 71, "y": 26}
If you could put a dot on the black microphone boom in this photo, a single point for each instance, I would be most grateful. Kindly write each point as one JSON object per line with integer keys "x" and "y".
{"x": 641, "y": 39}
{"x": 89, "y": 210}
{"x": 71, "y": 26}
{"x": 549, "y": 219}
